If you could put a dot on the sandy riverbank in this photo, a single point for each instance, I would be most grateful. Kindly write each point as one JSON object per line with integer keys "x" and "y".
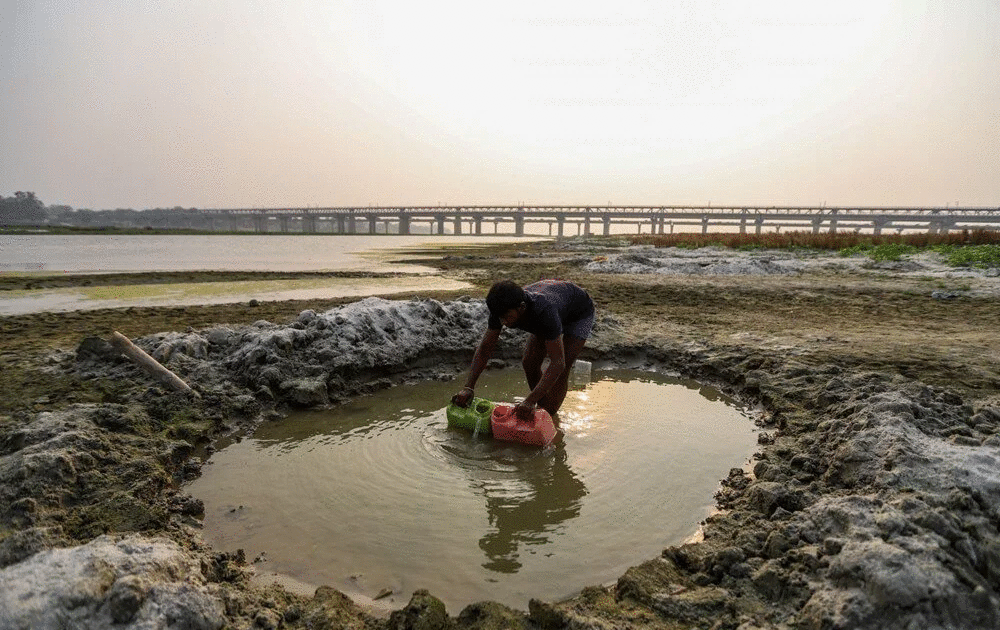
{"x": 874, "y": 502}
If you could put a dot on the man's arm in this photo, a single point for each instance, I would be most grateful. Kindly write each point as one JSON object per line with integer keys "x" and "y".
{"x": 483, "y": 353}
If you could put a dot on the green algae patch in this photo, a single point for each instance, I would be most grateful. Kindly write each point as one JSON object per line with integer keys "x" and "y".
{"x": 119, "y": 512}
{"x": 329, "y": 609}
{"x": 206, "y": 291}
{"x": 26, "y": 388}
{"x": 200, "y": 289}
{"x": 125, "y": 420}
{"x": 491, "y": 616}
{"x": 89, "y": 296}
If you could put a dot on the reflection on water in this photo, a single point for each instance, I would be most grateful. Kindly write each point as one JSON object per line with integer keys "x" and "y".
{"x": 526, "y": 511}
{"x": 380, "y": 494}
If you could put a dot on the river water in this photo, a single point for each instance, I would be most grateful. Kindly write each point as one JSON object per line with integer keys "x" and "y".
{"x": 265, "y": 252}
{"x": 92, "y": 254}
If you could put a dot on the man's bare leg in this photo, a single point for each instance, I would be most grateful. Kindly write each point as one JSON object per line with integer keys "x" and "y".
{"x": 553, "y": 399}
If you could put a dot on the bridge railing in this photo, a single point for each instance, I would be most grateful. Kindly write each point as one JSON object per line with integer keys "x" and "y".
{"x": 614, "y": 210}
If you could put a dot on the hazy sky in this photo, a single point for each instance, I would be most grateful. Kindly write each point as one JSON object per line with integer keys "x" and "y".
{"x": 235, "y": 103}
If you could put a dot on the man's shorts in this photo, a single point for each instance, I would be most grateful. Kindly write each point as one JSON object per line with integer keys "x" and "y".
{"x": 580, "y": 328}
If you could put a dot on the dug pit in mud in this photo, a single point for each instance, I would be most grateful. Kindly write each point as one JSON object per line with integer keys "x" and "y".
{"x": 874, "y": 502}
{"x": 379, "y": 496}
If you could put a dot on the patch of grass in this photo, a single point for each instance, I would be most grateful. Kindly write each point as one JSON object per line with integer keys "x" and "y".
{"x": 854, "y": 250}
{"x": 980, "y": 256}
{"x": 891, "y": 251}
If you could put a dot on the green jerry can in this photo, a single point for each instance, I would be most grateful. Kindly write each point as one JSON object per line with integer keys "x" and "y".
{"x": 475, "y": 417}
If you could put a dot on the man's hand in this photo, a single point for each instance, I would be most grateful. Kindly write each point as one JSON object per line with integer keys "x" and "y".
{"x": 463, "y": 397}
{"x": 524, "y": 411}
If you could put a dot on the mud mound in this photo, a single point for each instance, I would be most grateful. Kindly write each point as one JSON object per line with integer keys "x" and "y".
{"x": 706, "y": 261}
{"x": 132, "y": 582}
{"x": 325, "y": 357}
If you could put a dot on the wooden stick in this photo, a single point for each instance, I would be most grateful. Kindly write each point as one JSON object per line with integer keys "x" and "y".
{"x": 148, "y": 363}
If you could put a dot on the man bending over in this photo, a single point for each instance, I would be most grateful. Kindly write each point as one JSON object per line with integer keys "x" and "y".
{"x": 559, "y": 315}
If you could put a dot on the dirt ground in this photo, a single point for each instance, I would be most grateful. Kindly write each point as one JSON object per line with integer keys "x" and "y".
{"x": 874, "y": 500}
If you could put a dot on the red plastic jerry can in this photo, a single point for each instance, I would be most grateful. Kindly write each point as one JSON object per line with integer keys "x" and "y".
{"x": 506, "y": 426}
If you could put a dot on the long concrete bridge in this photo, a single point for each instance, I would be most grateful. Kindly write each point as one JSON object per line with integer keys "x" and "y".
{"x": 589, "y": 220}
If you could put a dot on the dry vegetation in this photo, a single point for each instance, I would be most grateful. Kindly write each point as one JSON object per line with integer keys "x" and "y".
{"x": 825, "y": 240}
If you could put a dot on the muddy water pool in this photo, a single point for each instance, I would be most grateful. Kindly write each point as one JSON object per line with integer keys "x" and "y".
{"x": 379, "y": 497}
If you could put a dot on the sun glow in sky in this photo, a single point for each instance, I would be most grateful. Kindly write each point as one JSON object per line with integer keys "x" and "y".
{"x": 309, "y": 102}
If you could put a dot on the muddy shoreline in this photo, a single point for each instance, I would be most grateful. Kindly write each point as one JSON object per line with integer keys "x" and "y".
{"x": 874, "y": 502}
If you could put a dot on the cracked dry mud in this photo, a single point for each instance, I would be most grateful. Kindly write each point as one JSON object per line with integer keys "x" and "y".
{"x": 874, "y": 500}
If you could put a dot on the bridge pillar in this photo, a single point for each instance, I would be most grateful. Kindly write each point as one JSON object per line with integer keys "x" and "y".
{"x": 341, "y": 224}
{"x": 479, "y": 225}
{"x": 704, "y": 224}
{"x": 817, "y": 222}
{"x": 743, "y": 225}
{"x": 560, "y": 223}
{"x": 352, "y": 224}
{"x": 309, "y": 224}
{"x": 440, "y": 223}
{"x": 519, "y": 224}
{"x": 943, "y": 226}
{"x": 758, "y": 224}
{"x": 372, "y": 223}
{"x": 458, "y": 224}
{"x": 260, "y": 223}
{"x": 283, "y": 224}
{"x": 404, "y": 223}
{"x": 877, "y": 226}
{"x": 833, "y": 221}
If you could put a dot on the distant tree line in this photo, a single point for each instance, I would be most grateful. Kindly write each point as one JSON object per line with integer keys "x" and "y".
{"x": 24, "y": 208}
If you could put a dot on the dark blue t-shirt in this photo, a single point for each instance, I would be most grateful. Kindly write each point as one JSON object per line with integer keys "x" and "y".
{"x": 550, "y": 305}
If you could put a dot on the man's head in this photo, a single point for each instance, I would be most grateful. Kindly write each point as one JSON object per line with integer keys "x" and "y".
{"x": 506, "y": 300}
